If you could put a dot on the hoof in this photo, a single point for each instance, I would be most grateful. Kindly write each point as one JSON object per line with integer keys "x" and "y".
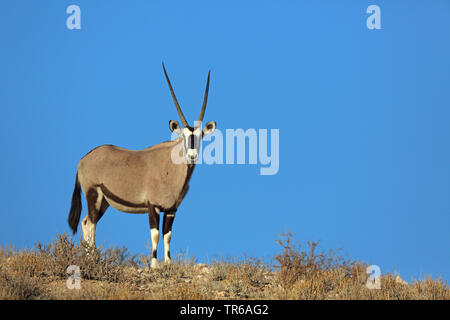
{"x": 155, "y": 264}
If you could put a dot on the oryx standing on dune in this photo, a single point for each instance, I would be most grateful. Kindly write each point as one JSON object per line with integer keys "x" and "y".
{"x": 144, "y": 181}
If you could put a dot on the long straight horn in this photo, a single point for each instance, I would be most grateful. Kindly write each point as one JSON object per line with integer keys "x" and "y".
{"x": 205, "y": 100}
{"x": 180, "y": 113}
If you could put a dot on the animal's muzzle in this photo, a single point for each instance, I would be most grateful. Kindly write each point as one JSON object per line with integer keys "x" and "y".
{"x": 192, "y": 154}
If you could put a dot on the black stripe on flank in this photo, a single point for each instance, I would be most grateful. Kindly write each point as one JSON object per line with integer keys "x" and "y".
{"x": 119, "y": 200}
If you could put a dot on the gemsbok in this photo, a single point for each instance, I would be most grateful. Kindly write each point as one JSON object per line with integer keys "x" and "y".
{"x": 140, "y": 181}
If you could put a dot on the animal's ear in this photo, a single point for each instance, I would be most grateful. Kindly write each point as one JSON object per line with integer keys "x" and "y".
{"x": 209, "y": 128}
{"x": 174, "y": 126}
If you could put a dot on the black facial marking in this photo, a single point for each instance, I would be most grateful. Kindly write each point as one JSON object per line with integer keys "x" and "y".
{"x": 192, "y": 145}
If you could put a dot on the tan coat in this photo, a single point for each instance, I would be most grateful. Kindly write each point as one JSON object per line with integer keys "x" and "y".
{"x": 131, "y": 180}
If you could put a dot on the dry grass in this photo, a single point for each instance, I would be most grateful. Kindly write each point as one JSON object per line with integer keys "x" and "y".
{"x": 295, "y": 273}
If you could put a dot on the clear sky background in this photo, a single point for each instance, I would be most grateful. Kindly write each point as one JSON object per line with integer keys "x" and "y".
{"x": 364, "y": 120}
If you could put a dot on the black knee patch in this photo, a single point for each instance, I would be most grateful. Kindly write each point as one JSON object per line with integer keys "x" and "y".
{"x": 153, "y": 218}
{"x": 91, "y": 199}
{"x": 167, "y": 223}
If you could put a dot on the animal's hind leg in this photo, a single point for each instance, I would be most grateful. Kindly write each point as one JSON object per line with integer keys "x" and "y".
{"x": 97, "y": 206}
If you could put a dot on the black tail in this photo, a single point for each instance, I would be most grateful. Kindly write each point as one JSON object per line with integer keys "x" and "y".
{"x": 75, "y": 207}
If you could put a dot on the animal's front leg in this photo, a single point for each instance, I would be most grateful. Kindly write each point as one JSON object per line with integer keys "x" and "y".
{"x": 167, "y": 232}
{"x": 153, "y": 217}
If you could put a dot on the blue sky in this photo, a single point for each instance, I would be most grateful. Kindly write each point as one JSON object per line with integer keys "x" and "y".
{"x": 363, "y": 118}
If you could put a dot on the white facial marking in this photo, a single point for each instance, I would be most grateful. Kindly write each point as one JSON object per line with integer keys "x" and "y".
{"x": 186, "y": 132}
{"x": 192, "y": 154}
{"x": 198, "y": 131}
{"x": 192, "y": 140}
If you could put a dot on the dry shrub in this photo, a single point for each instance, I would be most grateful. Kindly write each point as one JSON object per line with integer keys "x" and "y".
{"x": 220, "y": 270}
{"x": 295, "y": 273}
{"x": 18, "y": 287}
{"x": 295, "y": 263}
{"x": 95, "y": 290}
{"x": 94, "y": 263}
{"x": 431, "y": 289}
{"x": 52, "y": 260}
{"x": 309, "y": 274}
{"x": 241, "y": 278}
{"x": 180, "y": 291}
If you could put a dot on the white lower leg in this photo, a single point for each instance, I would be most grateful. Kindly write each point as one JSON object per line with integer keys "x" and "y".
{"x": 167, "y": 238}
{"x": 89, "y": 229}
{"x": 155, "y": 239}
